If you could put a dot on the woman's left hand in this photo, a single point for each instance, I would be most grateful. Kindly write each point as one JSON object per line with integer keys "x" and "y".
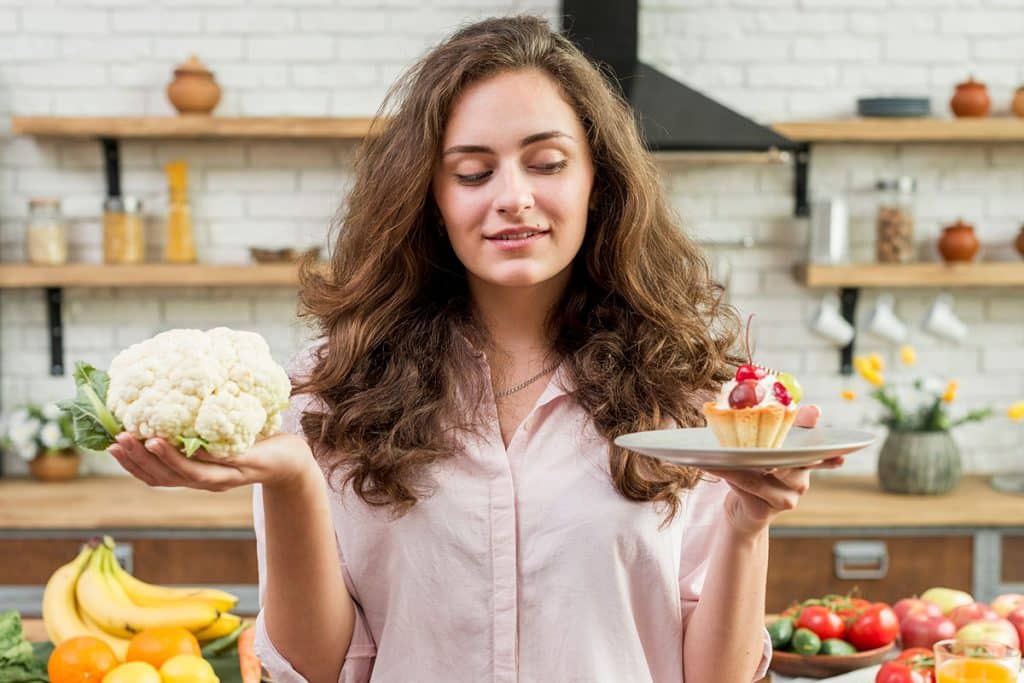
{"x": 757, "y": 496}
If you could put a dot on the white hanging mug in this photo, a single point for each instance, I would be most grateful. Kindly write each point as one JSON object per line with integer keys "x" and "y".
{"x": 882, "y": 321}
{"x": 941, "y": 321}
{"x": 828, "y": 322}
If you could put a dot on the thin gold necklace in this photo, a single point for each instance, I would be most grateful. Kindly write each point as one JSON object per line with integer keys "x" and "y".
{"x": 523, "y": 385}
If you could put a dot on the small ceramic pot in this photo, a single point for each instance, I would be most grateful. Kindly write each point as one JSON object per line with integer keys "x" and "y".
{"x": 1018, "y": 102}
{"x": 971, "y": 99}
{"x": 193, "y": 90}
{"x": 1020, "y": 241}
{"x": 56, "y": 467}
{"x": 958, "y": 242}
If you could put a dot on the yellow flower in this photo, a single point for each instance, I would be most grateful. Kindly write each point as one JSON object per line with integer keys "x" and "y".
{"x": 849, "y": 394}
{"x": 877, "y": 362}
{"x": 908, "y": 355}
{"x": 950, "y": 392}
{"x": 1016, "y": 411}
{"x": 867, "y": 371}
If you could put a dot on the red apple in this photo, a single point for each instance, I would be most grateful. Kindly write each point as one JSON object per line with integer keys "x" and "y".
{"x": 1016, "y": 617}
{"x": 998, "y": 630}
{"x": 976, "y": 611}
{"x": 919, "y": 629}
{"x": 914, "y": 605}
{"x": 1006, "y": 603}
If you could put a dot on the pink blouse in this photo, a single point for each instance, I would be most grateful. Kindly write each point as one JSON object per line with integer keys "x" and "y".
{"x": 525, "y": 565}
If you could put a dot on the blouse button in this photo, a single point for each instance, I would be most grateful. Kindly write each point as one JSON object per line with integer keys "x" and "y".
{"x": 528, "y": 424}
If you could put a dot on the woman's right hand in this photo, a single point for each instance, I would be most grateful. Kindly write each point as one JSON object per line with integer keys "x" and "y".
{"x": 277, "y": 459}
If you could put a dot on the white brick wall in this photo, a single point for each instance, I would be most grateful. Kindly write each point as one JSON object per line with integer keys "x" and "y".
{"x": 770, "y": 59}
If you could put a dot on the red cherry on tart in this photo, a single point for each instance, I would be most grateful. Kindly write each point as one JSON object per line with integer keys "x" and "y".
{"x": 749, "y": 371}
{"x": 782, "y": 393}
{"x": 746, "y": 394}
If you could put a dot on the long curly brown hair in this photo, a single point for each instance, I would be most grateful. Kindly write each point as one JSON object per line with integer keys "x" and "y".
{"x": 642, "y": 325}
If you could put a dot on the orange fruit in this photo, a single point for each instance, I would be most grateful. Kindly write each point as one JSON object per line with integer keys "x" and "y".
{"x": 157, "y": 645}
{"x": 82, "y": 659}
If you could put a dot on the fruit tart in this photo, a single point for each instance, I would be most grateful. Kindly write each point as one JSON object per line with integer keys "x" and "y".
{"x": 756, "y": 409}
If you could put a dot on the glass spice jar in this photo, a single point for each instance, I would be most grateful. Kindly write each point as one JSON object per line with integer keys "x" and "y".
{"x": 124, "y": 238}
{"x": 894, "y": 238}
{"x": 45, "y": 235}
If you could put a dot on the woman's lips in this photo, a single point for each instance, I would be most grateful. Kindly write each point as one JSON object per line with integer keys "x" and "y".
{"x": 510, "y": 242}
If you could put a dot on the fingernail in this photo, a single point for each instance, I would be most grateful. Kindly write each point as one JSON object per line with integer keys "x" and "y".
{"x": 151, "y": 444}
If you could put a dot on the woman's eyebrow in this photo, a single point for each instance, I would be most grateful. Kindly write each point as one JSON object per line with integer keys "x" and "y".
{"x": 528, "y": 140}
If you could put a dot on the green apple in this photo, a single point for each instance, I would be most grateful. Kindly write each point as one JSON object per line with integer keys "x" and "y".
{"x": 996, "y": 630}
{"x": 796, "y": 392}
{"x": 948, "y": 599}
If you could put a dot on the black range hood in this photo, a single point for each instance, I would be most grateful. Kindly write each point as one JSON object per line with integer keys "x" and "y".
{"x": 672, "y": 116}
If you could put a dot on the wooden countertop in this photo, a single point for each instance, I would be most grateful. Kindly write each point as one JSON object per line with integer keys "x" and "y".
{"x": 119, "y": 502}
{"x": 857, "y": 501}
{"x": 123, "y": 502}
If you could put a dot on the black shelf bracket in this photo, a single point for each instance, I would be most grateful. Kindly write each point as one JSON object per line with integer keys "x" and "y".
{"x": 55, "y": 323}
{"x": 112, "y": 166}
{"x": 801, "y": 170}
{"x": 848, "y": 308}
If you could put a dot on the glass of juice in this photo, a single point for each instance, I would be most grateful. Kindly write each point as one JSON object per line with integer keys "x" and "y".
{"x": 976, "y": 662}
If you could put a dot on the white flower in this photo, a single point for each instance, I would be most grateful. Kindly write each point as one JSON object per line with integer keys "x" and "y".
{"x": 25, "y": 450}
{"x": 24, "y": 432}
{"x": 51, "y": 411}
{"x": 51, "y": 435}
{"x": 933, "y": 386}
{"x": 16, "y": 418}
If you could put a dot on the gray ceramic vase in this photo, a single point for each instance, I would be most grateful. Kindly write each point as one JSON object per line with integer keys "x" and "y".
{"x": 919, "y": 463}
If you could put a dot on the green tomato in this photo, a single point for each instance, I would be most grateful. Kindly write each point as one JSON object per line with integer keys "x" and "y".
{"x": 806, "y": 642}
{"x": 796, "y": 392}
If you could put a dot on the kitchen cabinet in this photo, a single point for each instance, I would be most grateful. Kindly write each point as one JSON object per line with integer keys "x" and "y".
{"x": 847, "y": 533}
{"x": 164, "y": 536}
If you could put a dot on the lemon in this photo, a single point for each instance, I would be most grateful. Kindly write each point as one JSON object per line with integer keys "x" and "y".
{"x": 133, "y": 672}
{"x": 187, "y": 669}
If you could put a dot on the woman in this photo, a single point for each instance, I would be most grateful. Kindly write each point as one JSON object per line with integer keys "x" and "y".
{"x": 507, "y": 294}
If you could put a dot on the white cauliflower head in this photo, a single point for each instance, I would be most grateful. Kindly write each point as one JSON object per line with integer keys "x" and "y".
{"x": 220, "y": 387}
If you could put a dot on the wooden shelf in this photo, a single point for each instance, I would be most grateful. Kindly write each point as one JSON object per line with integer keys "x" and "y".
{"x": 994, "y": 274}
{"x": 994, "y": 129}
{"x": 19, "y": 275}
{"x": 156, "y": 127}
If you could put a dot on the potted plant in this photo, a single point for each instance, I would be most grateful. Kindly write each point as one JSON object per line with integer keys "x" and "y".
{"x": 919, "y": 454}
{"x": 44, "y": 437}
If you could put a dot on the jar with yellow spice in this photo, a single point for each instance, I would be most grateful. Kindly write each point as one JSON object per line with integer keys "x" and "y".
{"x": 124, "y": 239}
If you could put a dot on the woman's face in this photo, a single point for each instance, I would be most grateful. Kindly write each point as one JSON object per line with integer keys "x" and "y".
{"x": 513, "y": 181}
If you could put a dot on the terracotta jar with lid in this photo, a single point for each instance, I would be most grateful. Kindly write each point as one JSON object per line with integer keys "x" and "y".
{"x": 193, "y": 90}
{"x": 958, "y": 242}
{"x": 971, "y": 99}
{"x": 1018, "y": 102}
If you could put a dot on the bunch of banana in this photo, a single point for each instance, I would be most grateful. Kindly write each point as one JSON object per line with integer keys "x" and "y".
{"x": 92, "y": 595}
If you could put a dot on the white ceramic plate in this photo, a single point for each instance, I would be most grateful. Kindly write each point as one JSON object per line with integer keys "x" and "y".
{"x": 698, "y": 447}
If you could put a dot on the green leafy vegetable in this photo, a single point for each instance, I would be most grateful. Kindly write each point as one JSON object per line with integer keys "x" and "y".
{"x": 18, "y": 663}
{"x": 94, "y": 425}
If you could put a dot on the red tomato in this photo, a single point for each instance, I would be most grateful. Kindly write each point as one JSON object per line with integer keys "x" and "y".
{"x": 875, "y": 627}
{"x": 824, "y": 622}
{"x": 896, "y": 672}
{"x": 921, "y": 660}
